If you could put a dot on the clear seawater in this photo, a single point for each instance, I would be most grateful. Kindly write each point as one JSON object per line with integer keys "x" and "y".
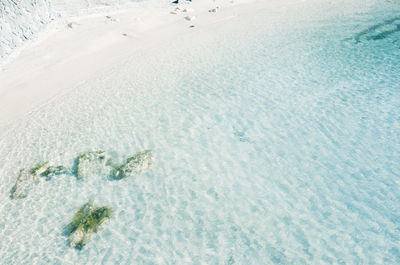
{"x": 276, "y": 139}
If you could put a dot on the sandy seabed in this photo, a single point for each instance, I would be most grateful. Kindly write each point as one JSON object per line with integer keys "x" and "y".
{"x": 274, "y": 127}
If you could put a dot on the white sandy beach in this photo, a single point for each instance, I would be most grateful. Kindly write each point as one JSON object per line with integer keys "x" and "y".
{"x": 78, "y": 50}
{"x": 266, "y": 132}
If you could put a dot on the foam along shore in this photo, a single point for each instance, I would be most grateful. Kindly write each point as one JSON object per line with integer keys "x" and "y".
{"x": 84, "y": 46}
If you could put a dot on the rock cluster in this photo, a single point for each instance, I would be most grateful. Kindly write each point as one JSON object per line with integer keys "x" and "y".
{"x": 90, "y": 162}
{"x": 89, "y": 218}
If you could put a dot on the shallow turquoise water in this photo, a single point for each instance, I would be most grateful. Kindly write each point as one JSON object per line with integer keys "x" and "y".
{"x": 277, "y": 142}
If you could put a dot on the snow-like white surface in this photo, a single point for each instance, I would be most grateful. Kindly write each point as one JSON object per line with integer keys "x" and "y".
{"x": 20, "y": 21}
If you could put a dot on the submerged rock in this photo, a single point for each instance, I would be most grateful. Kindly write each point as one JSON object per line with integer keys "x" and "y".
{"x": 90, "y": 162}
{"x": 134, "y": 165}
{"x": 23, "y": 184}
{"x": 87, "y": 220}
{"x": 52, "y": 171}
{"x": 29, "y": 177}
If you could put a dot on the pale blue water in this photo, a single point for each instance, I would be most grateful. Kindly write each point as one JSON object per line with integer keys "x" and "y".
{"x": 276, "y": 139}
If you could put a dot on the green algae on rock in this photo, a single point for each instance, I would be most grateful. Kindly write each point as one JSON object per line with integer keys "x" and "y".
{"x": 134, "y": 165}
{"x": 28, "y": 177}
{"x": 89, "y": 162}
{"x": 52, "y": 171}
{"x": 87, "y": 220}
{"x": 39, "y": 167}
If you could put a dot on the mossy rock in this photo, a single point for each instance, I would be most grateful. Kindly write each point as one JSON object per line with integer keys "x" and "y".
{"x": 93, "y": 155}
{"x": 52, "y": 171}
{"x": 90, "y": 162}
{"x": 134, "y": 165}
{"x": 87, "y": 220}
{"x": 28, "y": 177}
{"x": 39, "y": 168}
